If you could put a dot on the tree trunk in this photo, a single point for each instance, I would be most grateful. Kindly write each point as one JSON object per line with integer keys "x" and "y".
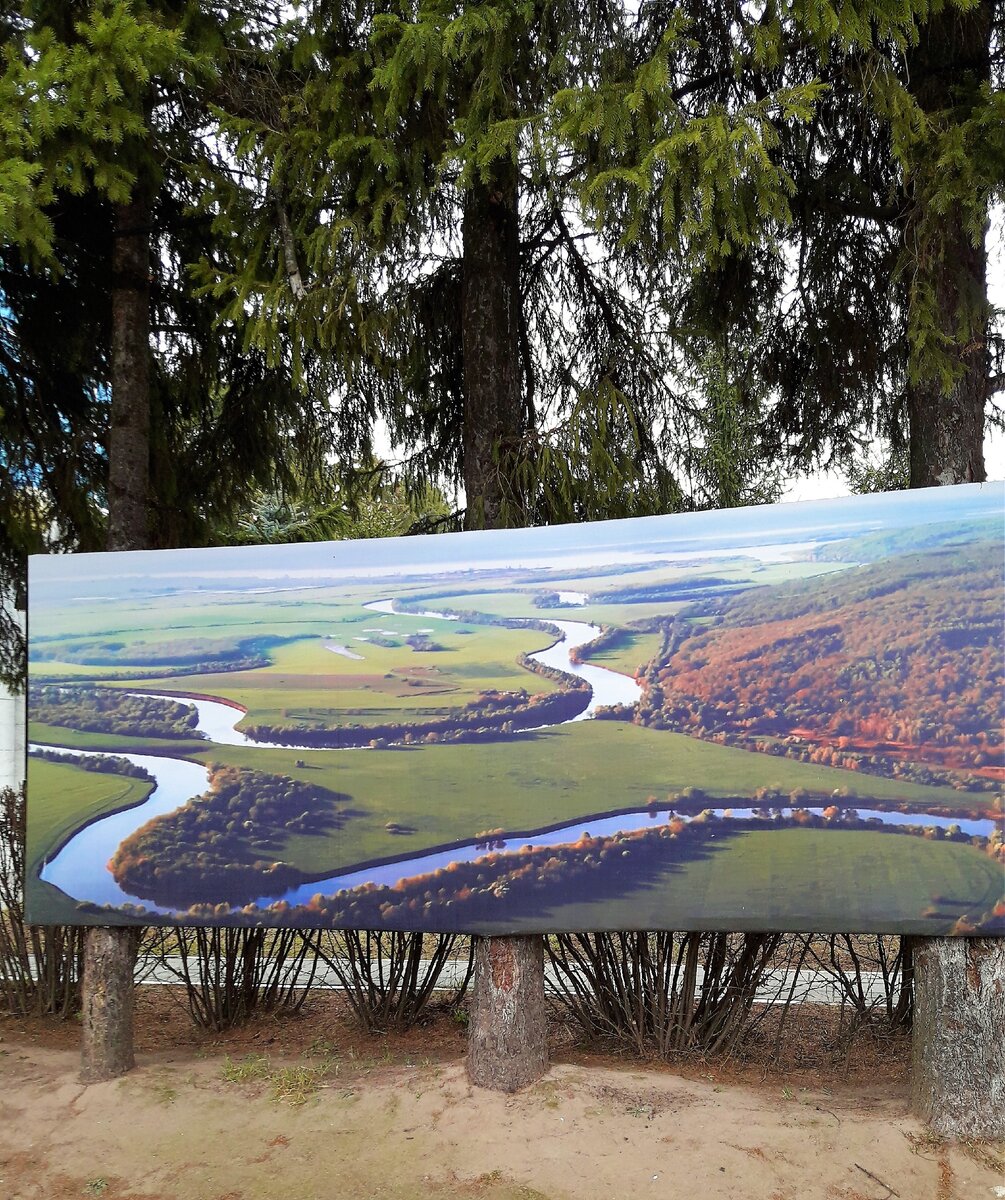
{"x": 948, "y": 271}
{"x": 109, "y": 959}
{"x": 490, "y": 323}
{"x": 110, "y": 954}
{"x": 508, "y": 1033}
{"x": 129, "y": 422}
{"x": 508, "y": 1041}
{"x": 958, "y": 1067}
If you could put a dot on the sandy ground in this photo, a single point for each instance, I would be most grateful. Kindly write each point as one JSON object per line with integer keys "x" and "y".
{"x": 313, "y": 1109}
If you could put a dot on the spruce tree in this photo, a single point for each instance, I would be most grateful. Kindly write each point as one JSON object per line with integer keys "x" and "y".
{"x": 107, "y": 161}
{"x": 429, "y": 167}
{"x": 115, "y": 116}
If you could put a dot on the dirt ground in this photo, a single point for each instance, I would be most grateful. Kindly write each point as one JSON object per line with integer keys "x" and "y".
{"x": 310, "y": 1107}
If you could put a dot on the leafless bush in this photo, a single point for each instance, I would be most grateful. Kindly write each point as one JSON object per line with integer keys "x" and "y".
{"x": 40, "y": 965}
{"x": 664, "y": 993}
{"x": 229, "y": 974}
{"x": 873, "y": 974}
{"x": 390, "y": 977}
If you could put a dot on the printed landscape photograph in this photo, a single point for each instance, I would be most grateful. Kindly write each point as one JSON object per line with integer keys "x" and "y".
{"x": 787, "y": 717}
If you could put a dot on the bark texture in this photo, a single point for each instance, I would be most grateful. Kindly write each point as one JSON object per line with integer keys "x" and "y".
{"x": 946, "y": 70}
{"x": 493, "y": 394}
{"x": 508, "y": 1033}
{"x": 129, "y": 421}
{"x": 508, "y": 1037}
{"x": 958, "y": 1069}
{"x": 110, "y": 954}
{"x": 107, "y": 1046}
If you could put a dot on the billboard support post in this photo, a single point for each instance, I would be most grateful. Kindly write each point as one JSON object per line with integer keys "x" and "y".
{"x": 107, "y": 1042}
{"x": 508, "y": 1032}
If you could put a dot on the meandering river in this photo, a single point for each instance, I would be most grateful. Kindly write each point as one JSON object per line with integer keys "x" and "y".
{"x": 79, "y": 867}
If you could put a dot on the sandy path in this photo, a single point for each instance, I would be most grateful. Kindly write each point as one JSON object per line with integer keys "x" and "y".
{"x": 177, "y": 1128}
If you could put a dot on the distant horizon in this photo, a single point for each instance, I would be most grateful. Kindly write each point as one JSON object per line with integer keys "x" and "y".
{"x": 660, "y": 537}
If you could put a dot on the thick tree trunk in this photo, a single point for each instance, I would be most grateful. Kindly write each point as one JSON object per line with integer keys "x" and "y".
{"x": 958, "y": 1076}
{"x": 948, "y": 271}
{"x": 508, "y": 1032}
{"x": 508, "y": 1042}
{"x": 491, "y": 342}
{"x": 110, "y": 954}
{"x": 958, "y": 1069}
{"x": 129, "y": 422}
{"x": 107, "y": 1048}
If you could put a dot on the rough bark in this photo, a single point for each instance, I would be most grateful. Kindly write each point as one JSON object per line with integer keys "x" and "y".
{"x": 107, "y": 1046}
{"x": 508, "y": 1040}
{"x": 958, "y": 1068}
{"x": 129, "y": 420}
{"x": 491, "y": 344}
{"x": 508, "y": 1032}
{"x": 946, "y": 70}
{"x": 110, "y": 953}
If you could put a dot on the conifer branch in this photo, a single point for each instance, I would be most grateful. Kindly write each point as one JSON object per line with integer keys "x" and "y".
{"x": 289, "y": 248}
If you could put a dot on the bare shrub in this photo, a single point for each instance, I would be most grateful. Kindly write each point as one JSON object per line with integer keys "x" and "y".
{"x": 663, "y": 993}
{"x": 40, "y": 965}
{"x": 873, "y": 975}
{"x": 389, "y": 977}
{"x": 230, "y": 974}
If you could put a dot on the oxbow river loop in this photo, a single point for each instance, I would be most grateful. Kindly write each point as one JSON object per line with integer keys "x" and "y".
{"x": 79, "y": 868}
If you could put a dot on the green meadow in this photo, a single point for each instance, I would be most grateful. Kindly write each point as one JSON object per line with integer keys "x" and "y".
{"x": 64, "y": 798}
{"x": 450, "y": 793}
{"x": 628, "y": 653}
{"x": 808, "y": 880}
{"x": 308, "y": 683}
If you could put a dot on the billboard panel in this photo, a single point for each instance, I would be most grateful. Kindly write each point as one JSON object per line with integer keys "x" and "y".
{"x": 787, "y": 717}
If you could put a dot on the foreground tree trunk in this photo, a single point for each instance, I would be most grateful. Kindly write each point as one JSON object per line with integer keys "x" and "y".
{"x": 110, "y": 954}
{"x": 958, "y": 1072}
{"x": 129, "y": 420}
{"x": 508, "y": 1040}
{"x": 958, "y": 1068}
{"x": 508, "y": 1033}
{"x": 947, "y": 264}
{"x": 490, "y": 324}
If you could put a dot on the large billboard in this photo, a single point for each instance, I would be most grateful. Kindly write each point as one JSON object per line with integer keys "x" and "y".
{"x": 776, "y": 718}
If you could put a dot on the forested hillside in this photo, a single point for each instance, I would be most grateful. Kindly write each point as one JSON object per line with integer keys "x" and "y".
{"x": 895, "y": 660}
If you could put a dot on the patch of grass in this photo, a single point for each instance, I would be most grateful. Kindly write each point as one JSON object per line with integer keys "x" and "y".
{"x": 294, "y": 1085}
{"x": 95, "y": 1187}
{"x": 163, "y": 1092}
{"x": 251, "y": 1068}
{"x": 297, "y": 1084}
{"x": 646, "y": 1111}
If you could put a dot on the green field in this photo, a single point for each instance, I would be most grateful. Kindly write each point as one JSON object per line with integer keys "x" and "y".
{"x": 59, "y": 735}
{"x": 308, "y": 683}
{"x": 517, "y": 604}
{"x": 450, "y": 793}
{"x": 64, "y": 798}
{"x": 629, "y": 653}
{"x": 817, "y": 880}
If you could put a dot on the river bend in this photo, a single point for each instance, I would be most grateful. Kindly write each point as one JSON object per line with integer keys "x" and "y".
{"x": 79, "y": 868}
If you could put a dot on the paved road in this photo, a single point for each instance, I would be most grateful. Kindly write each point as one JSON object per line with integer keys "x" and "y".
{"x": 814, "y": 987}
